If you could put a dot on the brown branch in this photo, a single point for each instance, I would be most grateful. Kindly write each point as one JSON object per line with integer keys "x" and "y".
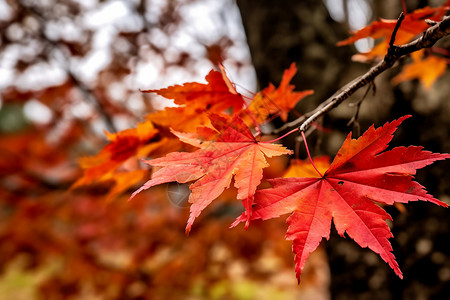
{"x": 394, "y": 32}
{"x": 428, "y": 39}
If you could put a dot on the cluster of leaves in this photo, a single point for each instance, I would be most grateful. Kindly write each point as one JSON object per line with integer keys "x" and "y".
{"x": 88, "y": 247}
{"x": 360, "y": 174}
{"x": 213, "y": 139}
{"x": 199, "y": 105}
{"x": 215, "y": 118}
{"x": 118, "y": 249}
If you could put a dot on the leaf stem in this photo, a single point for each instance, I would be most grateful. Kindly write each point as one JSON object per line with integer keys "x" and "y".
{"x": 441, "y": 51}
{"x": 309, "y": 155}
{"x": 404, "y": 7}
{"x": 284, "y": 135}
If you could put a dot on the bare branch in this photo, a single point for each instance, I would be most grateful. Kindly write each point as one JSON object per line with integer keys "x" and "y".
{"x": 354, "y": 120}
{"x": 428, "y": 39}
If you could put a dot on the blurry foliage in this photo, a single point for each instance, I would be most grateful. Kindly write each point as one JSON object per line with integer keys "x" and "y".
{"x": 68, "y": 75}
{"x": 87, "y": 60}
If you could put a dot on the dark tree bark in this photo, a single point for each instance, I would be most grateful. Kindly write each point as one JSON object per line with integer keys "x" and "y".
{"x": 280, "y": 33}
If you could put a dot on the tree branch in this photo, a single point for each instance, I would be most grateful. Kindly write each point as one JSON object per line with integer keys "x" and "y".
{"x": 428, "y": 39}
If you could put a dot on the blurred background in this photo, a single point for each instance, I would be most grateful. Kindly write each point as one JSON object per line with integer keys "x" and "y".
{"x": 70, "y": 70}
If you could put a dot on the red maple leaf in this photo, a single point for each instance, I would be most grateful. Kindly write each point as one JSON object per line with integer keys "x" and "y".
{"x": 360, "y": 174}
{"x": 230, "y": 150}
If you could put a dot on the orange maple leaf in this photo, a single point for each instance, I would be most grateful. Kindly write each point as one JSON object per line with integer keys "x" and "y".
{"x": 183, "y": 118}
{"x": 279, "y": 100}
{"x": 216, "y": 95}
{"x": 413, "y": 24}
{"x": 123, "y": 145}
{"x": 231, "y": 150}
{"x": 304, "y": 168}
{"x": 124, "y": 180}
{"x": 427, "y": 70}
{"x": 360, "y": 175}
{"x": 196, "y": 101}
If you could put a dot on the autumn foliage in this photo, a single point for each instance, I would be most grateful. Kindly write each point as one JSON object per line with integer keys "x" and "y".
{"x": 221, "y": 143}
{"x": 360, "y": 174}
{"x": 426, "y": 66}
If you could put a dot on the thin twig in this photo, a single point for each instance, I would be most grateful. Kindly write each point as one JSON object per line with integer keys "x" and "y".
{"x": 394, "y": 33}
{"x": 354, "y": 120}
{"x": 428, "y": 39}
{"x": 404, "y": 7}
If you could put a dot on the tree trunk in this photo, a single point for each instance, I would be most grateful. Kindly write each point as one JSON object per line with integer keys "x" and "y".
{"x": 295, "y": 31}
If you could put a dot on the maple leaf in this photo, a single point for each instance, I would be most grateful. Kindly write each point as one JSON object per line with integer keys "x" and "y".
{"x": 217, "y": 95}
{"x": 123, "y": 145}
{"x": 413, "y": 24}
{"x": 304, "y": 168}
{"x": 196, "y": 101}
{"x": 427, "y": 70}
{"x": 186, "y": 118}
{"x": 360, "y": 174}
{"x": 231, "y": 151}
{"x": 279, "y": 100}
{"x": 123, "y": 181}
